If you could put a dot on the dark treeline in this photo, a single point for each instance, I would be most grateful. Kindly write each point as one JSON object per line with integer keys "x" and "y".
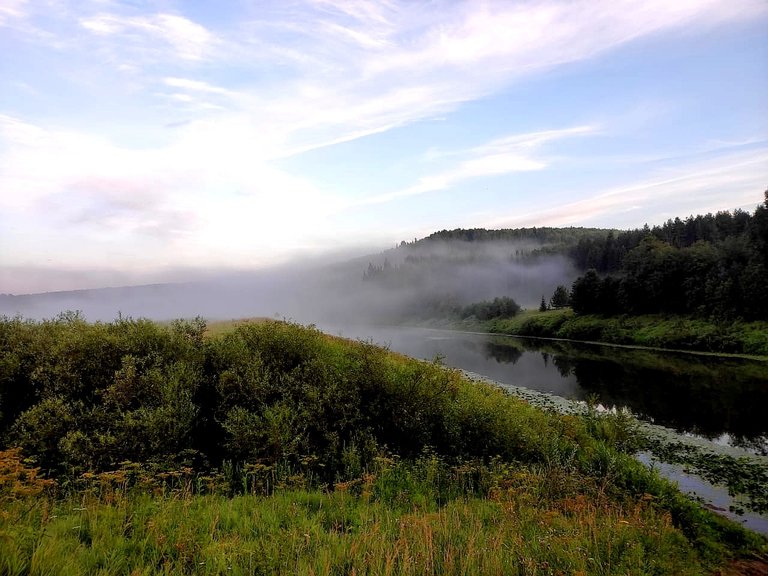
{"x": 542, "y": 235}
{"x": 479, "y": 245}
{"x": 605, "y": 253}
{"x": 526, "y": 244}
{"x": 712, "y": 265}
{"x": 504, "y": 307}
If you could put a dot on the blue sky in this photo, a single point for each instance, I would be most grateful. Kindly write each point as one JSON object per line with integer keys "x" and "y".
{"x": 149, "y": 141}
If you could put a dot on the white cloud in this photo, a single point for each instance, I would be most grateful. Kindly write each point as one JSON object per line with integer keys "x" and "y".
{"x": 197, "y": 86}
{"x": 11, "y": 9}
{"x": 722, "y": 183}
{"x": 505, "y": 155}
{"x": 198, "y": 94}
{"x": 189, "y": 40}
{"x": 200, "y": 200}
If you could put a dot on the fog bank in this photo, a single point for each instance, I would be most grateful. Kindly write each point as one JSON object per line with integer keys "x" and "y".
{"x": 412, "y": 281}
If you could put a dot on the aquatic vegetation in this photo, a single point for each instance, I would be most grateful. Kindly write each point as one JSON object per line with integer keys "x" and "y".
{"x": 744, "y": 476}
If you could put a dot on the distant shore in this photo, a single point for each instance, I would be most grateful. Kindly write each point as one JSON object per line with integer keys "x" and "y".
{"x": 660, "y": 332}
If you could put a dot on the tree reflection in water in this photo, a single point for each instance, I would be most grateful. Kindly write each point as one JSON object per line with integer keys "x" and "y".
{"x": 715, "y": 397}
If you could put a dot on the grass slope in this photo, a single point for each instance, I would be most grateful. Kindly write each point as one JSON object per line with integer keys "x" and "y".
{"x": 654, "y": 331}
{"x": 315, "y": 455}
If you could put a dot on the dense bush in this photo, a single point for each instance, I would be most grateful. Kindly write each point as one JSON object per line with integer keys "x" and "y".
{"x": 84, "y": 395}
{"x": 135, "y": 406}
{"x": 78, "y": 396}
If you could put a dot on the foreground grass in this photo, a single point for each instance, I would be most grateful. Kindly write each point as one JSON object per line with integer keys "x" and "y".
{"x": 315, "y": 533}
{"x": 529, "y": 521}
{"x": 654, "y": 331}
{"x": 270, "y": 448}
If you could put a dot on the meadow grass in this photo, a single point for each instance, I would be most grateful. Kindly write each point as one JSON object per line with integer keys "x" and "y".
{"x": 530, "y": 521}
{"x": 671, "y": 332}
{"x": 271, "y": 448}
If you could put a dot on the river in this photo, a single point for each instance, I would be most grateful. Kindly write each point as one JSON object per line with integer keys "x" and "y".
{"x": 718, "y": 400}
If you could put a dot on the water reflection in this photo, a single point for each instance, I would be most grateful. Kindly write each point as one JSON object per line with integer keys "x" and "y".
{"x": 721, "y": 399}
{"x": 714, "y": 397}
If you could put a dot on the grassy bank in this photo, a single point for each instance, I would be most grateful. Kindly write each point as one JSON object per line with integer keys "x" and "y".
{"x": 655, "y": 331}
{"x": 392, "y": 522}
{"x": 273, "y": 448}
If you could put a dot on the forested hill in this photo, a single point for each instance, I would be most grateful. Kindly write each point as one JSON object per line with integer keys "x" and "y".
{"x": 542, "y": 235}
{"x": 477, "y": 244}
{"x": 711, "y": 265}
{"x": 437, "y": 275}
{"x": 605, "y": 253}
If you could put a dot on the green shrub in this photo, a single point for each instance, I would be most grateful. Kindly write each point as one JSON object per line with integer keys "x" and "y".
{"x": 274, "y": 406}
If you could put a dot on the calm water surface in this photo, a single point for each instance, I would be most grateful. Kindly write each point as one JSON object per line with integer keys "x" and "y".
{"x": 721, "y": 399}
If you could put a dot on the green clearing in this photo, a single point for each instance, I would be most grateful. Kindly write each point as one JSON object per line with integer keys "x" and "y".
{"x": 270, "y": 448}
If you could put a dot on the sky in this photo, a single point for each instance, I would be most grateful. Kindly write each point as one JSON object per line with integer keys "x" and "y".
{"x": 152, "y": 141}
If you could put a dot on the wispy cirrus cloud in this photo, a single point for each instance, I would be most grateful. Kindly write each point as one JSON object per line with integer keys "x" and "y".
{"x": 197, "y": 86}
{"x": 356, "y": 69}
{"x": 688, "y": 188}
{"x": 506, "y": 155}
{"x": 321, "y": 72}
{"x": 11, "y": 9}
{"x": 199, "y": 95}
{"x": 187, "y": 39}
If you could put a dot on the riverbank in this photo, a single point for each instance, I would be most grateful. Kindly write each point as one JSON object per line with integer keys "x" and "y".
{"x": 652, "y": 331}
{"x": 274, "y": 448}
{"x": 728, "y": 479}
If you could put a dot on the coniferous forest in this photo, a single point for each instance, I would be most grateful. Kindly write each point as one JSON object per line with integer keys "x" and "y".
{"x": 711, "y": 265}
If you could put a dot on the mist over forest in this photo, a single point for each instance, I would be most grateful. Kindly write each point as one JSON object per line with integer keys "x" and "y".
{"x": 706, "y": 265}
{"x": 410, "y": 280}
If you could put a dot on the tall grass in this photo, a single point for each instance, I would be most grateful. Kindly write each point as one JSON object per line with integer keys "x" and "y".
{"x": 522, "y": 520}
{"x": 275, "y": 449}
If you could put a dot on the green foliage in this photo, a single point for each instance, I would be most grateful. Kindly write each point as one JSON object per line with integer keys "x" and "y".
{"x": 503, "y": 307}
{"x": 542, "y": 235}
{"x": 706, "y": 266}
{"x": 89, "y": 395}
{"x": 530, "y": 323}
{"x": 561, "y": 298}
{"x": 652, "y": 330}
{"x": 423, "y": 516}
{"x": 361, "y": 436}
